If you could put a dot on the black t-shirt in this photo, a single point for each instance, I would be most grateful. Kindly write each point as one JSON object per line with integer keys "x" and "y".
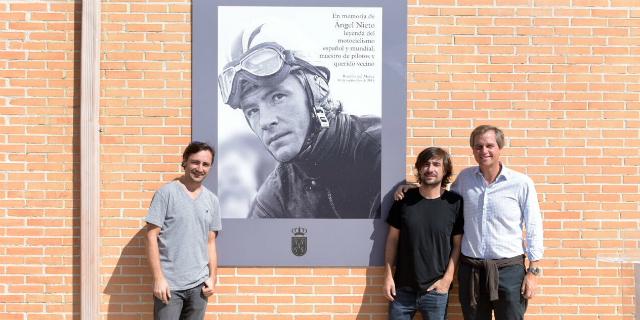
{"x": 426, "y": 229}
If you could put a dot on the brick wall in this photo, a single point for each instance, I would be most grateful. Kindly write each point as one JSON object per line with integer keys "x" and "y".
{"x": 561, "y": 77}
{"x": 39, "y": 197}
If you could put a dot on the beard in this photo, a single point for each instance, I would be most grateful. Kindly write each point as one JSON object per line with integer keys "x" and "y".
{"x": 424, "y": 180}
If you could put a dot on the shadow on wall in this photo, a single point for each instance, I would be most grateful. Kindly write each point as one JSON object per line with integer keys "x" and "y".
{"x": 77, "y": 196}
{"x": 129, "y": 288}
{"x": 374, "y": 306}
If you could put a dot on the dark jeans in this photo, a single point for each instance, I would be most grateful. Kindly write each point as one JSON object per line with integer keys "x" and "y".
{"x": 510, "y": 305}
{"x": 432, "y": 305}
{"x": 189, "y": 304}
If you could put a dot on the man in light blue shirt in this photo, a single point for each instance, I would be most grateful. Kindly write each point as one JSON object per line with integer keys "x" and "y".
{"x": 499, "y": 204}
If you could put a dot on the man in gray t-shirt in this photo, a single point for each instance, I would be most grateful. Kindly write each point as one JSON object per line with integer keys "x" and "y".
{"x": 182, "y": 224}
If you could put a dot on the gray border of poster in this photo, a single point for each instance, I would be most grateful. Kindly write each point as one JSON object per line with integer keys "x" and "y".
{"x": 330, "y": 242}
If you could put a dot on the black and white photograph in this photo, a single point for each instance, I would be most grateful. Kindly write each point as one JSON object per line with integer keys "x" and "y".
{"x": 299, "y": 120}
{"x": 304, "y": 102}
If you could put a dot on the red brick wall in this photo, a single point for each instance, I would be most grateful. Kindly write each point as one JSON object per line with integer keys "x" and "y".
{"x": 561, "y": 77}
{"x": 39, "y": 197}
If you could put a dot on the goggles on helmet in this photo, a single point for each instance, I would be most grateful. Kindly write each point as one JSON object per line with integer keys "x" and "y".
{"x": 257, "y": 65}
{"x": 266, "y": 62}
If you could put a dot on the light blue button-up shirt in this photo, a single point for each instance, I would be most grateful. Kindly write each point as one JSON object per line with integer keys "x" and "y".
{"x": 496, "y": 214}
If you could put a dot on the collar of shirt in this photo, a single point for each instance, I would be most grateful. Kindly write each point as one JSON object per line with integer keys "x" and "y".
{"x": 505, "y": 173}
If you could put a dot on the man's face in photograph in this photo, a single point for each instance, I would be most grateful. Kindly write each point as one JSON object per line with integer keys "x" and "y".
{"x": 279, "y": 115}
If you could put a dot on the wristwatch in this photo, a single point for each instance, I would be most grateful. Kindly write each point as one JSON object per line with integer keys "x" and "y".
{"x": 534, "y": 271}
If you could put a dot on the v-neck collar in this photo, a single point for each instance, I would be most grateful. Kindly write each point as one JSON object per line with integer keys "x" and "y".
{"x": 187, "y": 193}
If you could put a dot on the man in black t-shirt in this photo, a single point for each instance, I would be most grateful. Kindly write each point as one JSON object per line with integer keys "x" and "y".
{"x": 423, "y": 244}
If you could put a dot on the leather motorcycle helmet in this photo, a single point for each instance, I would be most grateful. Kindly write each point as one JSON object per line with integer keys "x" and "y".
{"x": 266, "y": 54}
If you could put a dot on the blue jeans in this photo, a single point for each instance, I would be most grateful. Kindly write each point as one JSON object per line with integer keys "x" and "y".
{"x": 511, "y": 305}
{"x": 432, "y": 305}
{"x": 189, "y": 304}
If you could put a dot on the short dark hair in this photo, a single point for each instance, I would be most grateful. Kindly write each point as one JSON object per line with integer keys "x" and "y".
{"x": 435, "y": 152}
{"x": 480, "y": 130}
{"x": 195, "y": 147}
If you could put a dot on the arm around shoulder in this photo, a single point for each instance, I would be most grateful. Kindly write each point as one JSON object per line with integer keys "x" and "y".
{"x": 402, "y": 189}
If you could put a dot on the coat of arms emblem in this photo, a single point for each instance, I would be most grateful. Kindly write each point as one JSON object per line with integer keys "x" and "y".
{"x": 299, "y": 241}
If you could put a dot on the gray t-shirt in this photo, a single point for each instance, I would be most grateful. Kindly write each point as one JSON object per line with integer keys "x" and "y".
{"x": 184, "y": 233}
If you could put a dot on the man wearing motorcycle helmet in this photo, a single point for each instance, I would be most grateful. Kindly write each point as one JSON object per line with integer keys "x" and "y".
{"x": 329, "y": 161}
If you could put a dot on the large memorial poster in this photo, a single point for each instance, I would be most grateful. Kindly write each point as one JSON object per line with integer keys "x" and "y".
{"x": 305, "y": 105}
